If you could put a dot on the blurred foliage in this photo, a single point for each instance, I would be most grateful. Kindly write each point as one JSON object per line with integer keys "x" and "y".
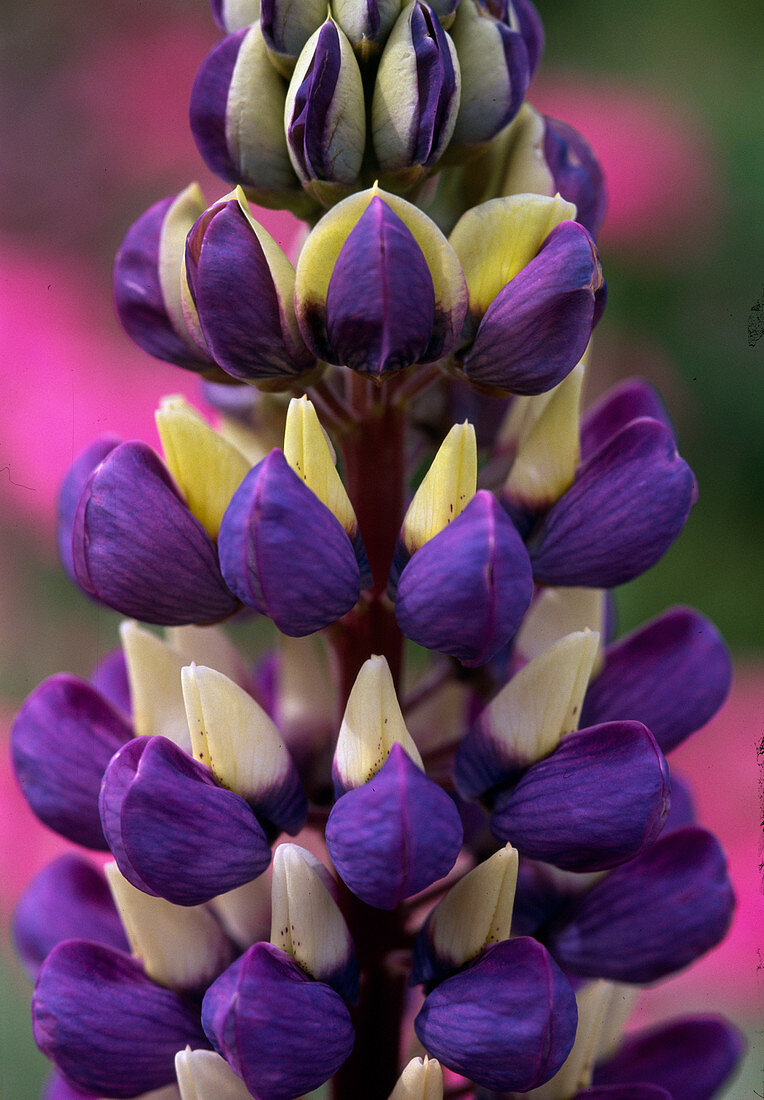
{"x": 705, "y": 57}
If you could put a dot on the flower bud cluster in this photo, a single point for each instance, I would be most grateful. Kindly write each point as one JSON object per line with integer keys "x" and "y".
{"x": 447, "y": 824}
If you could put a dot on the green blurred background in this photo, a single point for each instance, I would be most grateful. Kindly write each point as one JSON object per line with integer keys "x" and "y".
{"x": 94, "y": 130}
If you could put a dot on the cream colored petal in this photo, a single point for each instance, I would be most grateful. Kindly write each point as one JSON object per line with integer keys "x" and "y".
{"x": 476, "y": 911}
{"x": 494, "y": 241}
{"x": 204, "y": 1075}
{"x": 308, "y": 451}
{"x": 232, "y": 733}
{"x": 422, "y": 1079}
{"x": 182, "y": 947}
{"x": 557, "y": 612}
{"x": 306, "y": 921}
{"x": 207, "y": 467}
{"x": 446, "y": 489}
{"x": 549, "y": 452}
{"x": 153, "y": 672}
{"x": 372, "y": 724}
{"x": 528, "y": 717}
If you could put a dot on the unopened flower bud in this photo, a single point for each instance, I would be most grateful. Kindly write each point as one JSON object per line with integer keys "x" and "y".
{"x": 147, "y": 283}
{"x": 324, "y": 115}
{"x": 241, "y": 285}
{"x": 232, "y": 15}
{"x": 536, "y": 291}
{"x": 366, "y": 23}
{"x": 416, "y": 96}
{"x": 493, "y": 59}
{"x": 236, "y": 112}
{"x": 287, "y": 27}
{"x": 378, "y": 287}
{"x": 394, "y": 831}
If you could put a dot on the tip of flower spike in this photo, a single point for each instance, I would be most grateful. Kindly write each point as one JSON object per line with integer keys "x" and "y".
{"x": 372, "y": 724}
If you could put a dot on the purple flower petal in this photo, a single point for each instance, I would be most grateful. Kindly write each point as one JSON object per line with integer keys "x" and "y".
{"x": 380, "y": 305}
{"x": 493, "y": 59}
{"x": 61, "y": 742}
{"x": 627, "y": 505}
{"x": 106, "y": 1026}
{"x": 651, "y": 916}
{"x": 59, "y": 1089}
{"x": 71, "y": 490}
{"x": 619, "y": 406}
{"x": 673, "y": 674}
{"x": 110, "y": 679}
{"x": 599, "y": 799}
{"x": 536, "y": 329}
{"x": 692, "y": 1057}
{"x": 208, "y": 106}
{"x": 241, "y": 315}
{"x": 174, "y": 832}
{"x": 138, "y": 549}
{"x": 138, "y": 296}
{"x": 508, "y": 1022}
{"x": 284, "y": 553}
{"x": 682, "y": 810}
{"x": 576, "y": 172}
{"x": 465, "y": 591}
{"x": 309, "y": 131}
{"x": 438, "y": 99}
{"x": 532, "y": 30}
{"x": 68, "y": 899}
{"x": 395, "y": 835}
{"x": 283, "y": 1033}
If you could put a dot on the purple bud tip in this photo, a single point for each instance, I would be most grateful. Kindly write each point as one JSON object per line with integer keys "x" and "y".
{"x": 380, "y": 305}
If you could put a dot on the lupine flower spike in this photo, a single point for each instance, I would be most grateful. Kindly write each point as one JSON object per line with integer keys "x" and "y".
{"x": 419, "y": 839}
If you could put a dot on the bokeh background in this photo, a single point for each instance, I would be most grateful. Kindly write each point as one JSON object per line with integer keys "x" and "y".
{"x": 670, "y": 94}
